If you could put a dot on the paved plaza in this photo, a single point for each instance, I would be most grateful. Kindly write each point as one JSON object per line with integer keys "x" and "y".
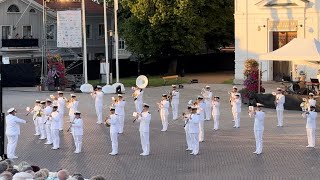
{"x": 225, "y": 154}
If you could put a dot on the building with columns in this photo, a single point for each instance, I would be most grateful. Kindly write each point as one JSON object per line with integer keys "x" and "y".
{"x": 262, "y": 26}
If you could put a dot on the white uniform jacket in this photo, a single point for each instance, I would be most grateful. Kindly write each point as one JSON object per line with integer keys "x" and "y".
{"x": 236, "y": 105}
{"x": 12, "y": 125}
{"x": 55, "y": 120}
{"x": 259, "y": 121}
{"x": 208, "y": 97}
{"x": 280, "y": 100}
{"x": 119, "y": 107}
{"x": 77, "y": 127}
{"x": 186, "y": 121}
{"x": 175, "y": 97}
{"x": 47, "y": 111}
{"x": 194, "y": 123}
{"x": 164, "y": 106}
{"x": 201, "y": 106}
{"x": 144, "y": 120}
{"x": 311, "y": 120}
{"x": 61, "y": 104}
{"x": 114, "y": 123}
{"x": 35, "y": 111}
{"x": 73, "y": 107}
{"x": 312, "y": 102}
{"x": 98, "y": 97}
{"x": 215, "y": 107}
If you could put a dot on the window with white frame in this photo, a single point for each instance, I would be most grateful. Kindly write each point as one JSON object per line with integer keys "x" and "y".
{"x": 51, "y": 32}
{"x": 101, "y": 30}
{"x": 121, "y": 43}
{"x": 13, "y": 8}
{"x": 26, "y": 32}
{"x": 88, "y": 31}
{"x": 6, "y": 32}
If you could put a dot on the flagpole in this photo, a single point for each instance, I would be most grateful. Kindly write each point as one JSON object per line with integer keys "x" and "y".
{"x": 106, "y": 39}
{"x": 116, "y": 38}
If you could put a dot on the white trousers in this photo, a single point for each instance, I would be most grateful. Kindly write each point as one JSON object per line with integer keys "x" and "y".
{"x": 12, "y": 144}
{"x": 207, "y": 111}
{"x": 43, "y": 133}
{"x": 216, "y": 119}
{"x": 145, "y": 143}
{"x": 36, "y": 126}
{"x": 121, "y": 123}
{"x": 234, "y": 116}
{"x": 138, "y": 105}
{"x": 78, "y": 142}
{"x": 48, "y": 132}
{"x": 164, "y": 119}
{"x": 280, "y": 117}
{"x": 99, "y": 112}
{"x": 311, "y": 134}
{"x": 188, "y": 138}
{"x": 55, "y": 138}
{"x": 237, "y": 119}
{"x": 194, "y": 142}
{"x": 114, "y": 142}
{"x": 201, "y": 130}
{"x": 61, "y": 120}
{"x": 258, "y": 134}
{"x": 175, "y": 110}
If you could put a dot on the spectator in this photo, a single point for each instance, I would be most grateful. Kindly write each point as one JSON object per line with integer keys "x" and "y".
{"x": 77, "y": 176}
{"x": 22, "y": 176}
{"x": 21, "y": 166}
{"x": 42, "y": 174}
{"x": 63, "y": 174}
{"x": 3, "y": 166}
{"x": 12, "y": 171}
{"x": 6, "y": 176}
{"x": 97, "y": 178}
{"x": 10, "y": 163}
{"x": 35, "y": 168}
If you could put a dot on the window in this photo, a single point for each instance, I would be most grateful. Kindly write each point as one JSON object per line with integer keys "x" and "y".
{"x": 88, "y": 31}
{"x": 50, "y": 31}
{"x": 121, "y": 43}
{"x": 26, "y": 32}
{"x": 13, "y": 8}
{"x": 32, "y": 11}
{"x": 6, "y": 32}
{"x": 101, "y": 30}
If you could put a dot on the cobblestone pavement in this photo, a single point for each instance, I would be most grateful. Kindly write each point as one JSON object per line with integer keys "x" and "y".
{"x": 225, "y": 154}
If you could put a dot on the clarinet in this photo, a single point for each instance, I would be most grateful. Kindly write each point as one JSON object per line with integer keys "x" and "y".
{"x": 187, "y": 121}
{"x": 71, "y": 125}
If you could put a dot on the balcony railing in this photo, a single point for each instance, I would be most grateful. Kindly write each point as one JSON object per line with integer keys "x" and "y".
{"x": 20, "y": 43}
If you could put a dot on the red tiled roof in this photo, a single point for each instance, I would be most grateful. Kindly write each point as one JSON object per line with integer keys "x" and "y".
{"x": 92, "y": 8}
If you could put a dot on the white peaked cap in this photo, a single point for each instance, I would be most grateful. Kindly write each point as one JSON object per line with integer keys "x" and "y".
{"x": 60, "y": 92}
{"x": 234, "y": 87}
{"x": 311, "y": 94}
{"x": 10, "y": 110}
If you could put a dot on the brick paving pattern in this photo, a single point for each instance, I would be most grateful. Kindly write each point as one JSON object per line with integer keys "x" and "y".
{"x": 225, "y": 154}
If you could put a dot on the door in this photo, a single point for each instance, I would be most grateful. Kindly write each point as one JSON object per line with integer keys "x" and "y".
{"x": 282, "y": 69}
{"x": 6, "y": 32}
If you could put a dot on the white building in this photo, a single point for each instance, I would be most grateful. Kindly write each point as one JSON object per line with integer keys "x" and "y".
{"x": 262, "y": 26}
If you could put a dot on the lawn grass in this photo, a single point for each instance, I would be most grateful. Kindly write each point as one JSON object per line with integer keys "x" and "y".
{"x": 229, "y": 81}
{"x": 154, "y": 81}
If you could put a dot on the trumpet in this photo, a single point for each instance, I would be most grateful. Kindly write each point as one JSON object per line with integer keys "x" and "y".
{"x": 106, "y": 121}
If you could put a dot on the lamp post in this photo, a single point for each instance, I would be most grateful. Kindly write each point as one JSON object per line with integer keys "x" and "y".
{"x": 116, "y": 38}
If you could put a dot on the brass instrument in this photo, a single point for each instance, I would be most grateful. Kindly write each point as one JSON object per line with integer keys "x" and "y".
{"x": 106, "y": 121}
{"x": 304, "y": 105}
{"x": 205, "y": 93}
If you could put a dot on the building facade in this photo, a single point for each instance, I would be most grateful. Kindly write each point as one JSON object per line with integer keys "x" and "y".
{"x": 21, "y": 23}
{"x": 262, "y": 26}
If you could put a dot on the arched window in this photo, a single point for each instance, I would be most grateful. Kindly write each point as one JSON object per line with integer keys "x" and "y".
{"x": 13, "y": 8}
{"x": 32, "y": 11}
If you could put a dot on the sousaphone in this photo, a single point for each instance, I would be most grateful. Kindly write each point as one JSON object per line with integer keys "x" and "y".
{"x": 142, "y": 81}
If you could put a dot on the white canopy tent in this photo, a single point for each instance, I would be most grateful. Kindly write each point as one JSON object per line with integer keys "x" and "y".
{"x": 299, "y": 50}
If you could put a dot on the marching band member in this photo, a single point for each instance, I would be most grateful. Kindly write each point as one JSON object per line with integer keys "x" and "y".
{"x": 47, "y": 111}
{"x": 164, "y": 112}
{"x": 175, "y": 95}
{"x": 61, "y": 105}
{"x": 193, "y": 125}
{"x": 207, "y": 99}
{"x": 216, "y": 112}
{"x": 55, "y": 124}
{"x": 41, "y": 119}
{"x": 311, "y": 101}
{"x": 34, "y": 111}
{"x": 232, "y": 96}
{"x": 114, "y": 130}
{"x": 77, "y": 131}
{"x": 236, "y": 109}
{"x": 258, "y": 128}
{"x": 98, "y": 96}
{"x": 72, "y": 104}
{"x": 186, "y": 116}
{"x": 12, "y": 132}
{"x": 200, "y": 110}
{"x": 144, "y": 118}
{"x": 119, "y": 105}
{"x": 54, "y": 100}
{"x": 311, "y": 126}
{"x": 138, "y": 98}
{"x": 280, "y": 100}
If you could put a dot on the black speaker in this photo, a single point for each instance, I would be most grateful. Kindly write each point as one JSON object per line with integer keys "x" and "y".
{"x": 118, "y": 90}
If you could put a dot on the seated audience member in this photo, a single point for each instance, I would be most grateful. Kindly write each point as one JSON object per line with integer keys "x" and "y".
{"x": 22, "y": 176}
{"x": 63, "y": 174}
{"x": 3, "y": 166}
{"x": 6, "y": 176}
{"x": 97, "y": 178}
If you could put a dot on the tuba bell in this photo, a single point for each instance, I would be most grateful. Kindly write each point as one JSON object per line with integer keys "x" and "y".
{"x": 142, "y": 81}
